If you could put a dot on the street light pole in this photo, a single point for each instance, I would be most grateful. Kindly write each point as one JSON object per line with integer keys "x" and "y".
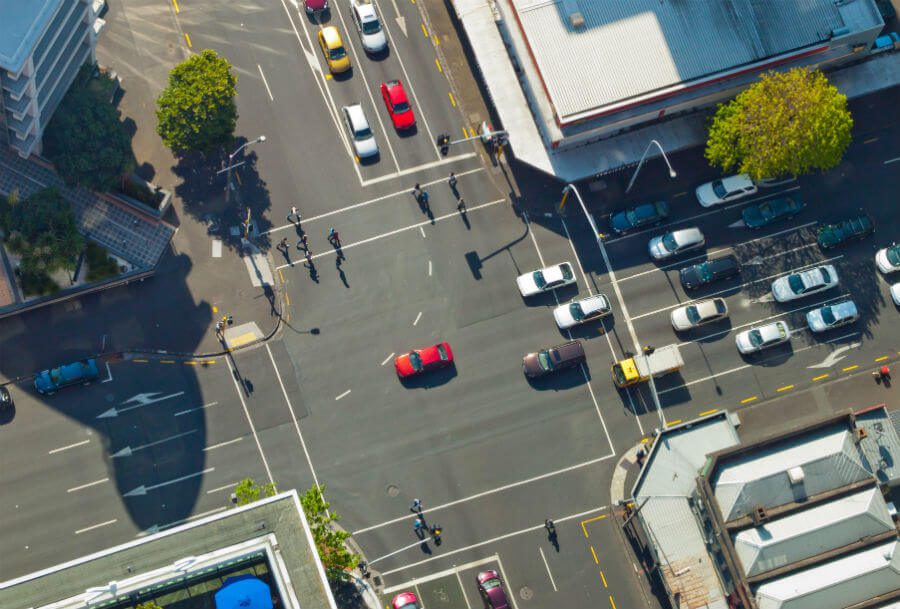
{"x": 231, "y": 156}
{"x": 612, "y": 277}
{"x": 672, "y": 173}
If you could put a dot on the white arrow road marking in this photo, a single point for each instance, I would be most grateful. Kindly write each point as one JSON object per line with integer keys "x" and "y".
{"x": 128, "y": 451}
{"x": 835, "y": 356}
{"x": 764, "y": 298}
{"x": 738, "y": 224}
{"x": 401, "y": 21}
{"x": 143, "y": 490}
{"x": 142, "y": 399}
{"x": 755, "y": 261}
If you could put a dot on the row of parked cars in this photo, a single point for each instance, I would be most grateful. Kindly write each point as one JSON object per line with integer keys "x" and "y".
{"x": 490, "y": 588}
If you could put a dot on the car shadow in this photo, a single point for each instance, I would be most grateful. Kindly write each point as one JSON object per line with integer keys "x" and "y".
{"x": 431, "y": 379}
{"x": 591, "y": 329}
{"x": 564, "y": 379}
{"x": 318, "y": 18}
{"x": 404, "y": 133}
{"x": 771, "y": 357}
{"x": 7, "y": 414}
{"x": 545, "y": 299}
{"x": 370, "y": 160}
{"x": 380, "y": 56}
{"x": 709, "y": 333}
{"x": 342, "y": 76}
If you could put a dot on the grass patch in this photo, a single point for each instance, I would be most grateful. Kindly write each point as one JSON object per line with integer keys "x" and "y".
{"x": 100, "y": 264}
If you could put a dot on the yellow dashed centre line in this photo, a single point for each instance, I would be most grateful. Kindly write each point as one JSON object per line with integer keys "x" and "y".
{"x": 188, "y": 40}
{"x": 603, "y": 577}
{"x": 438, "y": 64}
{"x": 706, "y": 412}
{"x": 785, "y": 388}
{"x": 425, "y": 30}
{"x": 436, "y": 40}
{"x": 612, "y": 603}
{"x": 882, "y": 358}
{"x": 453, "y": 102}
{"x": 190, "y": 363}
{"x": 680, "y": 194}
{"x": 849, "y": 368}
{"x": 820, "y": 377}
{"x": 140, "y": 361}
{"x": 748, "y": 400}
{"x": 594, "y": 553}
{"x": 670, "y": 423}
{"x": 166, "y": 361}
{"x": 175, "y": 4}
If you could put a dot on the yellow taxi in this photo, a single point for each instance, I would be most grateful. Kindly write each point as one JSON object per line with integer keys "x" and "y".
{"x": 333, "y": 49}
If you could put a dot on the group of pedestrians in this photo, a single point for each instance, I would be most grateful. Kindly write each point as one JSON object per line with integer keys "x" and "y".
{"x": 421, "y": 194}
{"x": 421, "y": 527}
{"x": 303, "y": 242}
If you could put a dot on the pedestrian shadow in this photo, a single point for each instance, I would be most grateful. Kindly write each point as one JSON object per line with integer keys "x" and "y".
{"x": 340, "y": 270}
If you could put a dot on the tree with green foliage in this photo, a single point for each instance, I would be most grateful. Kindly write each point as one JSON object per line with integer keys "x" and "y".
{"x": 196, "y": 112}
{"x": 247, "y": 491}
{"x": 330, "y": 541}
{"x": 148, "y": 605}
{"x": 86, "y": 139}
{"x": 786, "y": 124}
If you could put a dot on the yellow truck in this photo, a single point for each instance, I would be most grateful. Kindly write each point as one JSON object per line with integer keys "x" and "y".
{"x": 652, "y": 363}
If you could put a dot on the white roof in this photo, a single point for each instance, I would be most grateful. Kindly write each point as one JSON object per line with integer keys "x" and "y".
{"x": 836, "y": 584}
{"x": 829, "y": 459}
{"x": 811, "y": 532}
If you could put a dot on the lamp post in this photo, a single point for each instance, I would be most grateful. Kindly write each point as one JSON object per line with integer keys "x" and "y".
{"x": 231, "y": 156}
{"x": 612, "y": 276}
{"x": 672, "y": 173}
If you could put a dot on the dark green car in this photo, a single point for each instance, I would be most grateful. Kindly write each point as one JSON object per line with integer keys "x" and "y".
{"x": 855, "y": 228}
{"x": 767, "y": 212}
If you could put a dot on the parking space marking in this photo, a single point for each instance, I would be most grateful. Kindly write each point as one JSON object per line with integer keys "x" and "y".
{"x": 463, "y": 590}
{"x": 894, "y": 160}
{"x": 429, "y": 268}
{"x": 96, "y": 526}
{"x": 547, "y": 566}
{"x": 221, "y": 444}
{"x": 507, "y": 580}
{"x": 343, "y": 395}
{"x": 418, "y": 317}
{"x": 205, "y": 406}
{"x": 422, "y": 230}
{"x": 62, "y": 448}
{"x": 439, "y": 574}
{"x": 88, "y": 485}
{"x": 266, "y": 83}
{"x": 221, "y": 488}
{"x": 387, "y": 359}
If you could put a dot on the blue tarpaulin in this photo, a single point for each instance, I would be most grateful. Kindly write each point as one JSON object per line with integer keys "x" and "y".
{"x": 244, "y": 592}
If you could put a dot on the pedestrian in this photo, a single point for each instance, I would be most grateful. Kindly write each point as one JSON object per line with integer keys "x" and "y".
{"x": 419, "y": 526}
{"x": 461, "y": 206}
{"x": 334, "y": 238}
{"x": 309, "y": 257}
{"x": 452, "y": 181}
{"x": 283, "y": 245}
{"x": 294, "y": 216}
{"x": 303, "y": 242}
{"x": 416, "y": 506}
{"x": 551, "y": 528}
{"x": 417, "y": 191}
{"x": 436, "y": 533}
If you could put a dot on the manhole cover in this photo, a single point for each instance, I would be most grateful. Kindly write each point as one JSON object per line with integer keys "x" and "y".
{"x": 393, "y": 490}
{"x": 525, "y": 593}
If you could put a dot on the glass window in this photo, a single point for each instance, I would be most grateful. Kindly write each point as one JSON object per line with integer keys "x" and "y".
{"x": 669, "y": 242}
{"x": 371, "y": 27}
{"x": 442, "y": 352}
{"x": 719, "y": 189}
{"x": 544, "y": 360}
{"x": 415, "y": 360}
{"x": 692, "y": 314}
{"x": 539, "y": 280}
{"x": 796, "y": 284}
{"x": 827, "y": 315}
{"x": 576, "y": 311}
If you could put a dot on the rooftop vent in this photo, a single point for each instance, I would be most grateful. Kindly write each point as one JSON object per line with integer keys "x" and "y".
{"x": 795, "y": 474}
{"x": 759, "y": 515}
{"x": 861, "y": 434}
{"x": 576, "y": 20}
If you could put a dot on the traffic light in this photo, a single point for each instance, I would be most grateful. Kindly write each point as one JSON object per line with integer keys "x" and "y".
{"x": 443, "y": 142}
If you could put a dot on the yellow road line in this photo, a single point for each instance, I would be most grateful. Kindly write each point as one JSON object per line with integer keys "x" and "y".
{"x": 464, "y": 132}
{"x": 594, "y": 519}
{"x": 785, "y": 388}
{"x": 438, "y": 64}
{"x": 189, "y": 362}
{"x": 175, "y": 4}
{"x": 849, "y": 368}
{"x": 140, "y": 361}
{"x": 188, "y": 40}
{"x": 821, "y": 376}
{"x": 472, "y": 134}
{"x": 166, "y": 361}
{"x": 237, "y": 176}
{"x": 603, "y": 577}
{"x": 424, "y": 30}
{"x": 882, "y": 358}
{"x": 280, "y": 275}
{"x": 680, "y": 194}
{"x": 612, "y": 602}
{"x": 243, "y": 339}
{"x": 675, "y": 422}
{"x": 596, "y": 562}
{"x": 436, "y": 40}
{"x": 706, "y": 412}
{"x": 453, "y": 102}
{"x": 328, "y": 77}
{"x": 287, "y": 299}
{"x": 208, "y": 362}
{"x": 644, "y": 440}
{"x": 748, "y": 400}
{"x": 215, "y": 309}
{"x": 870, "y": 140}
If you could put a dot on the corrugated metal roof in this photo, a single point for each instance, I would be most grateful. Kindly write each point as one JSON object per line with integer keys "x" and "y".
{"x": 814, "y": 531}
{"x": 828, "y": 457}
{"x": 881, "y": 446}
{"x": 839, "y": 583}
{"x": 629, "y": 48}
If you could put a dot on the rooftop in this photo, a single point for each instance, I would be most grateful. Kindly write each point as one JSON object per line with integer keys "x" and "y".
{"x": 21, "y": 27}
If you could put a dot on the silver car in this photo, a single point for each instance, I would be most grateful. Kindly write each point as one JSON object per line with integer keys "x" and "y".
{"x": 762, "y": 337}
{"x": 581, "y": 311}
{"x": 360, "y": 133}
{"x": 369, "y": 27}
{"x": 675, "y": 242}
{"x": 805, "y": 283}
{"x": 832, "y": 316}
{"x": 694, "y": 315}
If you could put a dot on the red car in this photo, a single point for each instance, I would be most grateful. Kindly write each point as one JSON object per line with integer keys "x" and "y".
{"x": 398, "y": 105}
{"x": 315, "y": 6}
{"x": 491, "y": 589}
{"x": 423, "y": 360}
{"x": 406, "y": 600}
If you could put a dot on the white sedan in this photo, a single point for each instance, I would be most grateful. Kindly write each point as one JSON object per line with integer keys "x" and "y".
{"x": 675, "y": 242}
{"x": 832, "y": 316}
{"x": 691, "y": 316}
{"x": 888, "y": 259}
{"x": 545, "y": 280}
{"x": 725, "y": 190}
{"x": 762, "y": 337}
{"x": 805, "y": 283}
{"x": 895, "y": 294}
{"x": 581, "y": 311}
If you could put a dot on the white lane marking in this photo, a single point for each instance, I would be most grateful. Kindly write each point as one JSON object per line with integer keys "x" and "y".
{"x": 88, "y": 485}
{"x": 490, "y": 541}
{"x": 420, "y": 167}
{"x": 714, "y": 210}
{"x": 441, "y": 574}
{"x": 343, "y": 395}
{"x": 181, "y": 412}
{"x": 454, "y": 215}
{"x": 418, "y": 317}
{"x": 429, "y": 268}
{"x": 109, "y": 376}
{"x": 142, "y": 490}
{"x": 534, "y": 241}
{"x": 401, "y": 193}
{"x": 221, "y": 444}
{"x": 889, "y": 161}
{"x": 549, "y": 574}
{"x": 488, "y": 492}
{"x": 127, "y": 451}
{"x": 387, "y": 359}
{"x": 506, "y": 579}
{"x": 240, "y": 394}
{"x": 96, "y": 526}
{"x": 62, "y": 448}
{"x": 265, "y": 82}
{"x": 422, "y": 230}
{"x": 835, "y": 356}
{"x": 726, "y": 249}
{"x": 743, "y": 285}
{"x": 169, "y": 525}
{"x": 397, "y": 551}
{"x": 221, "y": 488}
{"x": 459, "y": 577}
{"x": 836, "y": 339}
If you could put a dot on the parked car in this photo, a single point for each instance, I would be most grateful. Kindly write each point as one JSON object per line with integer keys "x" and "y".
{"x": 725, "y": 190}
{"x": 82, "y": 372}
{"x": 688, "y": 317}
{"x": 805, "y": 283}
{"x": 895, "y": 294}
{"x": 419, "y": 361}
{"x": 406, "y": 600}
{"x": 762, "y": 337}
{"x": 648, "y": 214}
{"x": 333, "y": 49}
{"x": 364, "y": 144}
{"x": 491, "y": 589}
{"x": 855, "y": 228}
{"x": 706, "y": 272}
{"x": 581, "y": 311}
{"x": 546, "y": 279}
{"x": 547, "y": 361}
{"x": 315, "y": 6}
{"x": 394, "y": 96}
{"x": 765, "y": 213}
{"x": 832, "y": 316}
{"x": 368, "y": 25}
{"x": 6, "y": 400}
{"x": 675, "y": 243}
{"x": 887, "y": 259}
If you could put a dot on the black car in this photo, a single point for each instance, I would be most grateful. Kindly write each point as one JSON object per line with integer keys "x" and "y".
{"x": 767, "y": 212}
{"x": 706, "y": 272}
{"x": 855, "y": 228}
{"x": 5, "y": 398}
{"x": 648, "y": 214}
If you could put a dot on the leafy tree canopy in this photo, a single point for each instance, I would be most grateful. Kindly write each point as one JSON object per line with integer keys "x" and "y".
{"x": 248, "y": 491}
{"x": 41, "y": 229}
{"x": 85, "y": 138}
{"x": 196, "y": 112}
{"x": 330, "y": 541}
{"x": 787, "y": 123}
